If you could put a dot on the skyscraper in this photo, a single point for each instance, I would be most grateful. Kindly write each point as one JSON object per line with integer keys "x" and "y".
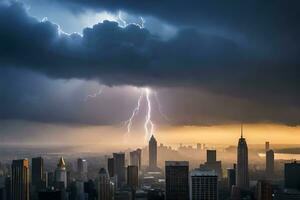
{"x": 37, "y": 172}
{"x": 231, "y": 176}
{"x": 136, "y": 158}
{"x": 132, "y": 176}
{"x": 212, "y": 163}
{"x": 267, "y": 146}
{"x": 20, "y": 180}
{"x": 103, "y": 185}
{"x": 82, "y": 169}
{"x": 292, "y": 175}
{"x": 152, "y": 153}
{"x": 242, "y": 176}
{"x": 263, "y": 190}
{"x": 270, "y": 164}
{"x": 61, "y": 174}
{"x": 177, "y": 180}
{"x": 203, "y": 185}
{"x": 119, "y": 168}
{"x": 110, "y": 167}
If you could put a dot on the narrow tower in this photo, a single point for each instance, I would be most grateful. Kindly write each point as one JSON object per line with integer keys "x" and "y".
{"x": 242, "y": 178}
{"x": 152, "y": 153}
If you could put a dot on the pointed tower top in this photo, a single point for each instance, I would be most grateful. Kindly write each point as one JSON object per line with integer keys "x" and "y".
{"x": 242, "y": 130}
{"x": 152, "y": 138}
{"x": 61, "y": 163}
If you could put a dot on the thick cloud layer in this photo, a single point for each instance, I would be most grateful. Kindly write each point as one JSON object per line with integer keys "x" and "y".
{"x": 264, "y": 70}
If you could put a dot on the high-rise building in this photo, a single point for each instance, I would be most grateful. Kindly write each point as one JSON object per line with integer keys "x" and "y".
{"x": 119, "y": 168}
{"x": 61, "y": 174}
{"x": 267, "y": 146}
{"x": 37, "y": 172}
{"x": 132, "y": 176}
{"x": 152, "y": 153}
{"x": 20, "y": 180}
{"x": 82, "y": 169}
{"x": 231, "y": 176}
{"x": 292, "y": 175}
{"x": 263, "y": 190}
{"x": 177, "y": 180}
{"x": 203, "y": 185}
{"x": 212, "y": 163}
{"x": 110, "y": 167}
{"x": 103, "y": 185}
{"x": 136, "y": 158}
{"x": 242, "y": 175}
{"x": 270, "y": 164}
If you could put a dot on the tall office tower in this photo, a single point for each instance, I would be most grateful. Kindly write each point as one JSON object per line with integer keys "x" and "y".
{"x": 270, "y": 164}
{"x": 177, "y": 180}
{"x": 267, "y": 146}
{"x": 136, "y": 158}
{"x": 133, "y": 176}
{"x": 37, "y": 172}
{"x": 152, "y": 153}
{"x": 119, "y": 168}
{"x": 110, "y": 167}
{"x": 82, "y": 169}
{"x": 61, "y": 174}
{"x": 211, "y": 156}
{"x": 292, "y": 175}
{"x": 242, "y": 175}
{"x": 263, "y": 190}
{"x": 103, "y": 185}
{"x": 212, "y": 163}
{"x": 231, "y": 176}
{"x": 203, "y": 185}
{"x": 20, "y": 180}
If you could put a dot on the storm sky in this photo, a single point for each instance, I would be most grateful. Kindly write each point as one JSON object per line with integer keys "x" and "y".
{"x": 206, "y": 62}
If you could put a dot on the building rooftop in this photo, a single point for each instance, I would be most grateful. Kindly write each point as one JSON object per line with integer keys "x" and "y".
{"x": 177, "y": 163}
{"x": 198, "y": 172}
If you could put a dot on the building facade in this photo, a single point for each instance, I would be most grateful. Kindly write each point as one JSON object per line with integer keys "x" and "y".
{"x": 20, "y": 180}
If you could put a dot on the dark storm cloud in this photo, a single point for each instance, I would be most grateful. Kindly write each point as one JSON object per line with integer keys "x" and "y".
{"x": 264, "y": 73}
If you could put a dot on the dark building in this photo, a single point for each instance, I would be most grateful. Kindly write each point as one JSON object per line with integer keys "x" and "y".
{"x": 133, "y": 176}
{"x": 152, "y": 153}
{"x": 292, "y": 175}
{"x": 37, "y": 172}
{"x": 110, "y": 167}
{"x": 270, "y": 164}
{"x": 155, "y": 194}
{"x": 177, "y": 180}
{"x": 231, "y": 176}
{"x": 267, "y": 146}
{"x": 119, "y": 168}
{"x": 20, "y": 180}
{"x": 136, "y": 158}
{"x": 103, "y": 185}
{"x": 263, "y": 190}
{"x": 203, "y": 185}
{"x": 212, "y": 163}
{"x": 242, "y": 175}
{"x": 50, "y": 195}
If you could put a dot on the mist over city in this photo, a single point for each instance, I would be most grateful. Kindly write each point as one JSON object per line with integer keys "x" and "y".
{"x": 149, "y": 100}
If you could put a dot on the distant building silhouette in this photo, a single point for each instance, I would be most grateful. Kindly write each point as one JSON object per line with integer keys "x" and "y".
{"x": 50, "y": 195}
{"x": 203, "y": 185}
{"x": 37, "y": 173}
{"x": 110, "y": 167}
{"x": 231, "y": 176}
{"x": 61, "y": 174}
{"x": 212, "y": 163}
{"x": 20, "y": 180}
{"x": 119, "y": 168}
{"x": 267, "y": 146}
{"x": 263, "y": 190}
{"x": 242, "y": 176}
{"x": 292, "y": 175}
{"x": 82, "y": 169}
{"x": 103, "y": 185}
{"x": 133, "y": 176}
{"x": 152, "y": 153}
{"x": 269, "y": 164}
{"x": 136, "y": 158}
{"x": 177, "y": 180}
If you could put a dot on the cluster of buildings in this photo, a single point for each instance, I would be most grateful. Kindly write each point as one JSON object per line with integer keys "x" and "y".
{"x": 121, "y": 181}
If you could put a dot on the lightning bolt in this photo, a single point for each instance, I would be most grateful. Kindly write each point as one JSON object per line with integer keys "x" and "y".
{"x": 99, "y": 92}
{"x": 149, "y": 126}
{"x": 134, "y": 112}
{"x": 160, "y": 108}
